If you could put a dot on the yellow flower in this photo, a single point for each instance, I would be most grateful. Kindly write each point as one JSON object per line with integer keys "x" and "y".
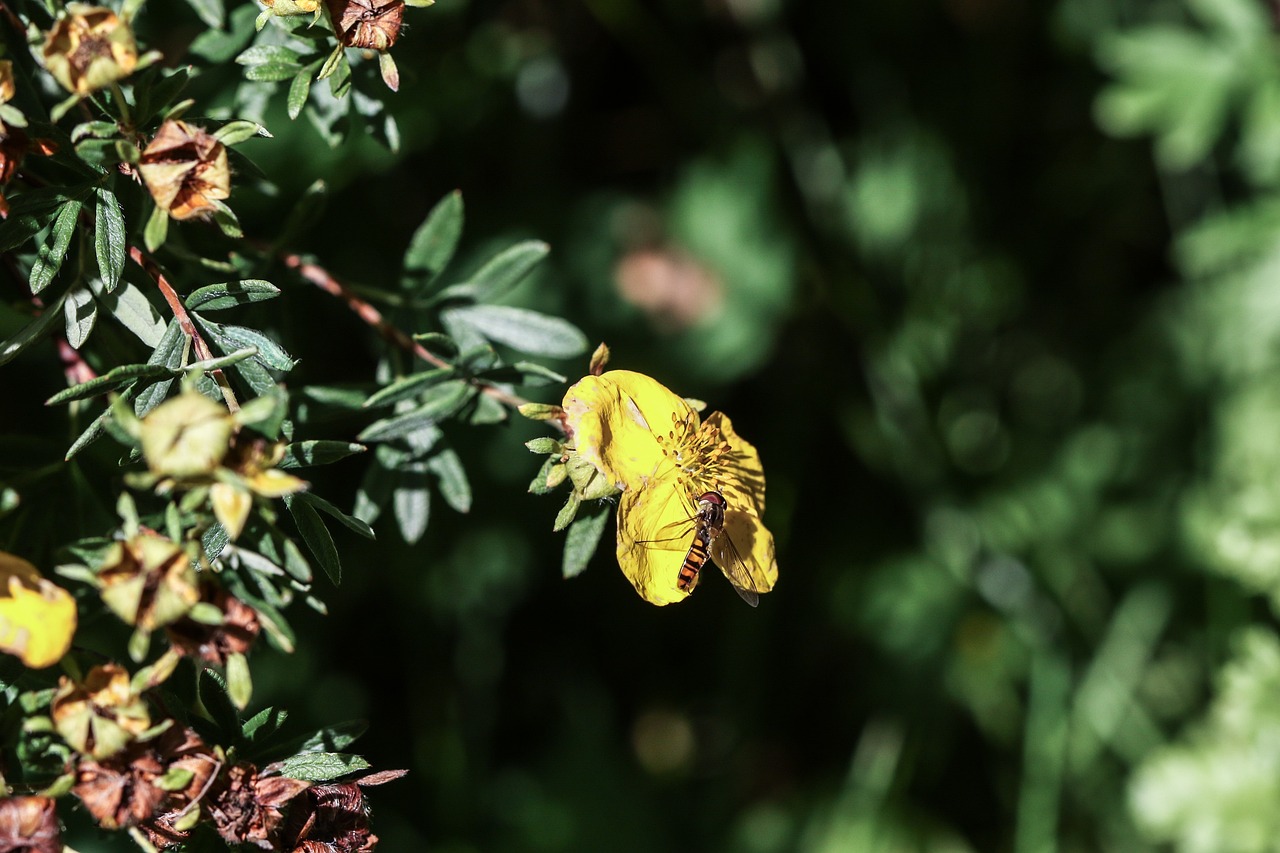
{"x": 652, "y": 445}
{"x": 37, "y": 617}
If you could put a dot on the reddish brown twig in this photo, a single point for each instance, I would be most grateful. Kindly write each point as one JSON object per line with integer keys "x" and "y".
{"x": 321, "y": 278}
{"x": 185, "y": 323}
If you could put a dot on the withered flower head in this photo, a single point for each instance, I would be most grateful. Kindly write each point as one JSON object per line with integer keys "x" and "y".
{"x": 163, "y": 776}
{"x": 89, "y": 48}
{"x": 251, "y": 459}
{"x": 29, "y": 825}
{"x": 185, "y": 169}
{"x": 13, "y": 147}
{"x": 7, "y": 87}
{"x": 213, "y": 643}
{"x": 371, "y": 24}
{"x": 334, "y": 818}
{"x": 186, "y": 436}
{"x": 102, "y": 714}
{"x": 247, "y": 808}
{"x": 148, "y": 581}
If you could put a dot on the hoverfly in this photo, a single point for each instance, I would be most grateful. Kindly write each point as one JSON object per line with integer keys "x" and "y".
{"x": 708, "y": 532}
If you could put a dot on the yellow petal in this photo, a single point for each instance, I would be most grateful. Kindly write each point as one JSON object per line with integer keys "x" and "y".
{"x": 274, "y": 483}
{"x": 740, "y": 477}
{"x": 231, "y": 505}
{"x": 655, "y": 530}
{"x": 614, "y": 418}
{"x": 744, "y": 552}
{"x": 37, "y": 618}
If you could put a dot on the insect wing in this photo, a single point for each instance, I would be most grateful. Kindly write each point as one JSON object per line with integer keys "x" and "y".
{"x": 744, "y": 552}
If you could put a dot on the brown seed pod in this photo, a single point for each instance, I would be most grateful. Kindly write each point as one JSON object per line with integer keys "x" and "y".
{"x": 371, "y": 24}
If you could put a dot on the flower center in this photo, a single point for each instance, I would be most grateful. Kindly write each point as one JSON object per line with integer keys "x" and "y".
{"x": 698, "y": 455}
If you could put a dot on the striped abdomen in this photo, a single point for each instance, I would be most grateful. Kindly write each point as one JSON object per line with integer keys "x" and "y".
{"x": 695, "y": 559}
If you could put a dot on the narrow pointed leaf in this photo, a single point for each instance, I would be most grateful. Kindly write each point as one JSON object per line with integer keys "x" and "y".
{"x": 435, "y": 241}
{"x": 109, "y": 237}
{"x": 49, "y": 258}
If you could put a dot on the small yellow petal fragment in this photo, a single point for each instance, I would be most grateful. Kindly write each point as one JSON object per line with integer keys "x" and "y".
{"x": 231, "y": 505}
{"x": 37, "y": 617}
{"x": 615, "y": 419}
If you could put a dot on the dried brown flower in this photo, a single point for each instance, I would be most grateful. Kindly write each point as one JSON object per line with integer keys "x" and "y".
{"x": 334, "y": 818}
{"x": 247, "y": 808}
{"x": 161, "y": 777}
{"x": 89, "y": 48}
{"x": 29, "y": 825}
{"x": 185, "y": 169}
{"x": 213, "y": 643}
{"x": 371, "y": 24}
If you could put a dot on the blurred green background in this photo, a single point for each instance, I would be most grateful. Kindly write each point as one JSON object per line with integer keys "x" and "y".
{"x": 994, "y": 287}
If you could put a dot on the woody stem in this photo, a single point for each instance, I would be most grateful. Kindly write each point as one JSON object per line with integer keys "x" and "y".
{"x": 185, "y": 323}
{"x": 322, "y": 279}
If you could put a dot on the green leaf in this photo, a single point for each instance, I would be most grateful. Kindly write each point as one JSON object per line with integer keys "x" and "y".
{"x": 342, "y": 398}
{"x": 211, "y": 692}
{"x": 409, "y": 386}
{"x": 333, "y": 738}
{"x": 261, "y": 54}
{"x": 49, "y": 258}
{"x": 317, "y": 537}
{"x": 538, "y": 486}
{"x": 502, "y": 272}
{"x": 219, "y": 46}
{"x": 239, "y": 681}
{"x": 170, "y": 353}
{"x": 32, "y": 332}
{"x": 208, "y": 365}
{"x": 218, "y": 297}
{"x": 521, "y": 329}
{"x": 29, "y": 212}
{"x": 435, "y": 241}
{"x": 210, "y": 11}
{"x": 156, "y": 230}
{"x": 302, "y": 454}
{"x": 241, "y": 130}
{"x": 321, "y": 766}
{"x": 270, "y": 353}
{"x": 81, "y": 311}
{"x": 355, "y": 525}
{"x": 91, "y": 433}
{"x": 299, "y": 91}
{"x": 411, "y": 502}
{"x": 581, "y": 540}
{"x": 226, "y": 220}
{"x": 161, "y": 95}
{"x": 122, "y": 375}
{"x": 109, "y": 237}
{"x": 264, "y": 724}
{"x": 214, "y": 541}
{"x": 567, "y": 513}
{"x": 128, "y": 305}
{"x": 452, "y": 476}
{"x": 440, "y": 402}
{"x": 270, "y": 72}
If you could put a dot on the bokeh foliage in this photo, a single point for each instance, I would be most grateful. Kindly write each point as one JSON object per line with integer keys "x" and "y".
{"x": 989, "y": 284}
